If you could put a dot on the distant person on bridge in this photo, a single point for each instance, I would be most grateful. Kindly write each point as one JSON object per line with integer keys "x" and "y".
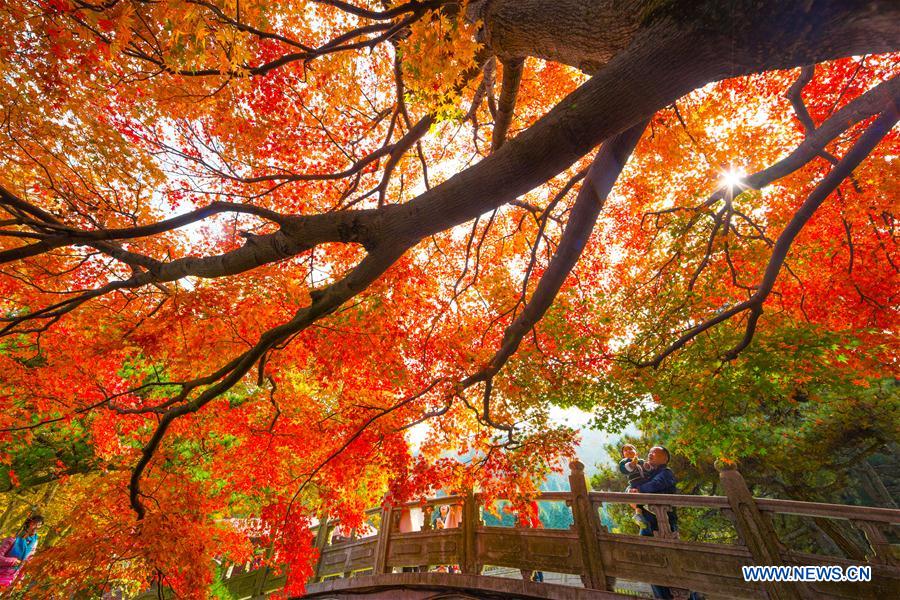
{"x": 14, "y": 551}
{"x": 449, "y": 516}
{"x": 443, "y": 516}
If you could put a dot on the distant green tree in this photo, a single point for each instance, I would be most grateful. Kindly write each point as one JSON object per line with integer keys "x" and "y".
{"x": 555, "y": 515}
{"x": 499, "y": 515}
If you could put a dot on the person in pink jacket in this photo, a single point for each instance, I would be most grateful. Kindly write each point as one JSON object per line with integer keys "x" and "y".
{"x": 14, "y": 551}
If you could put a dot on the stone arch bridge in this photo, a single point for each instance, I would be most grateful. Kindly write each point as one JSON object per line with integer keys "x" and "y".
{"x": 396, "y": 560}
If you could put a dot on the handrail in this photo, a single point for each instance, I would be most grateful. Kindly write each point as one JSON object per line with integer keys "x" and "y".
{"x": 541, "y": 497}
{"x": 833, "y": 511}
{"x": 654, "y": 499}
{"x": 459, "y": 499}
{"x": 436, "y": 501}
{"x": 369, "y": 512}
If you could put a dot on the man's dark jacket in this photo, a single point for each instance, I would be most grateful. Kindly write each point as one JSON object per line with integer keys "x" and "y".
{"x": 659, "y": 481}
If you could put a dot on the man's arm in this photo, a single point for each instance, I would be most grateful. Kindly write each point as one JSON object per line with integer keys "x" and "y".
{"x": 661, "y": 480}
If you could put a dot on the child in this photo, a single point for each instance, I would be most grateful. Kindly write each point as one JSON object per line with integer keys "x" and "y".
{"x": 633, "y": 467}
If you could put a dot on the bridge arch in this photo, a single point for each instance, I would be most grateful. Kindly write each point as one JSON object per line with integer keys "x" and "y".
{"x": 394, "y": 563}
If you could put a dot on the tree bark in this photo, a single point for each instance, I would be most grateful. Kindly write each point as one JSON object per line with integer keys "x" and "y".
{"x": 582, "y": 34}
{"x": 588, "y": 34}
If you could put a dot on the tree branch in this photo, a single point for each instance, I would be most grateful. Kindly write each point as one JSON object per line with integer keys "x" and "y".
{"x": 323, "y": 302}
{"x": 509, "y": 89}
{"x": 795, "y": 95}
{"x": 857, "y": 153}
{"x": 598, "y": 183}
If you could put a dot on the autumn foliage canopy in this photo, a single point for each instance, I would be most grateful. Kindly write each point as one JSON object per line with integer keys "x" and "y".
{"x": 247, "y": 247}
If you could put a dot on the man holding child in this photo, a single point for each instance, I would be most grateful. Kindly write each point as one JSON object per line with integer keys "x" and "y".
{"x": 651, "y": 476}
{"x": 655, "y": 478}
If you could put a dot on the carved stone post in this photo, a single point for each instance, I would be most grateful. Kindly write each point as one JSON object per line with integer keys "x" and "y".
{"x": 321, "y": 543}
{"x": 468, "y": 559}
{"x": 350, "y": 538}
{"x": 384, "y": 540}
{"x": 588, "y": 526}
{"x": 662, "y": 520}
{"x": 262, "y": 575}
{"x": 757, "y": 532}
{"x": 427, "y": 511}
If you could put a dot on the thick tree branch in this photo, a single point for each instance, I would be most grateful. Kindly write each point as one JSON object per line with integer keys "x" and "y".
{"x": 593, "y": 32}
{"x": 509, "y": 89}
{"x": 65, "y": 235}
{"x": 795, "y": 95}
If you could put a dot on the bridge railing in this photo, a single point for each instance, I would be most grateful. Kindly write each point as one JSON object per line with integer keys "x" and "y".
{"x": 667, "y": 560}
{"x": 408, "y": 540}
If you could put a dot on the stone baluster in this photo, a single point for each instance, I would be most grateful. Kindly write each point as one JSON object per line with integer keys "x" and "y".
{"x": 384, "y": 539}
{"x": 321, "y": 543}
{"x": 427, "y": 511}
{"x": 587, "y": 524}
{"x": 756, "y": 530}
{"x": 348, "y": 554}
{"x": 468, "y": 562}
{"x": 662, "y": 519}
